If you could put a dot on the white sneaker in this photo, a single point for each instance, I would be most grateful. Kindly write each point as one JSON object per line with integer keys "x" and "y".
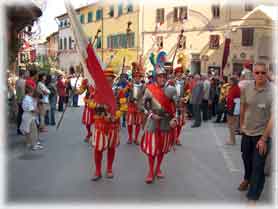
{"x": 37, "y": 147}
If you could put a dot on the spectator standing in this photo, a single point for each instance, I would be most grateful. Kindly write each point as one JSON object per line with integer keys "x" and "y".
{"x": 32, "y": 79}
{"x": 44, "y": 100}
{"x": 73, "y": 83}
{"x": 205, "y": 101}
{"x": 61, "y": 88}
{"x": 20, "y": 93}
{"x": 213, "y": 97}
{"x": 255, "y": 118}
{"x": 232, "y": 108}
{"x": 28, "y": 124}
{"x": 196, "y": 100}
{"x": 51, "y": 85}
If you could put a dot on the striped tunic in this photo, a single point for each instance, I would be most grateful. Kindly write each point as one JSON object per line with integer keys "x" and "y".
{"x": 106, "y": 134}
{"x": 154, "y": 143}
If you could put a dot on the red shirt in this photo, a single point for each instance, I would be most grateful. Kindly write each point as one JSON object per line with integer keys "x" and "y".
{"x": 61, "y": 88}
{"x": 31, "y": 83}
{"x": 234, "y": 92}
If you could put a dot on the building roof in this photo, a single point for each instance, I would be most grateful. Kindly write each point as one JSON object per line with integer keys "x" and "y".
{"x": 269, "y": 11}
{"x": 52, "y": 34}
{"x": 77, "y": 9}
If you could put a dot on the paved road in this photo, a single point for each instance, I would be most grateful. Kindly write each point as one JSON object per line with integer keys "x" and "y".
{"x": 203, "y": 170}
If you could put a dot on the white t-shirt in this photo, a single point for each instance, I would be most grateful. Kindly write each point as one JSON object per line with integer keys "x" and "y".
{"x": 29, "y": 103}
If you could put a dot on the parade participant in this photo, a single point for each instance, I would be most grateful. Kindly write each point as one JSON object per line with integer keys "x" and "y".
{"x": 180, "y": 113}
{"x": 121, "y": 90}
{"x": 106, "y": 134}
{"x": 88, "y": 112}
{"x": 134, "y": 113}
{"x": 224, "y": 88}
{"x": 158, "y": 138}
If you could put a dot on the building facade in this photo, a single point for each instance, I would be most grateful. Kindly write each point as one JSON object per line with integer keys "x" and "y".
{"x": 131, "y": 30}
{"x": 118, "y": 38}
{"x": 52, "y": 44}
{"x": 67, "y": 54}
{"x": 206, "y": 27}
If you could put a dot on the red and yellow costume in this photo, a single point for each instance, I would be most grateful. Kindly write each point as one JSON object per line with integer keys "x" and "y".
{"x": 106, "y": 135}
{"x": 88, "y": 112}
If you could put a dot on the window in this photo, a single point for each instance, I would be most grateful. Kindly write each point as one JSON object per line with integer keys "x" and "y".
{"x": 160, "y": 16}
{"x": 90, "y": 17}
{"x": 98, "y": 43}
{"x": 115, "y": 43}
{"x": 82, "y": 19}
{"x": 248, "y": 7}
{"x": 121, "y": 41}
{"x": 61, "y": 24}
{"x": 159, "y": 41}
{"x": 180, "y": 14}
{"x": 70, "y": 43}
{"x": 111, "y": 11}
{"x": 131, "y": 40}
{"x": 65, "y": 43}
{"x": 120, "y": 9}
{"x": 215, "y": 10}
{"x": 61, "y": 44}
{"x": 183, "y": 13}
{"x": 108, "y": 42}
{"x": 182, "y": 43}
{"x": 129, "y": 8}
{"x": 214, "y": 42}
{"x": 99, "y": 15}
{"x": 176, "y": 15}
{"x": 247, "y": 36}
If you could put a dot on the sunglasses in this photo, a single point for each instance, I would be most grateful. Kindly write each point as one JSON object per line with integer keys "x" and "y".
{"x": 262, "y": 73}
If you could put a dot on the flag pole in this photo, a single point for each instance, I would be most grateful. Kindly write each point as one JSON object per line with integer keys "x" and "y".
{"x": 63, "y": 113}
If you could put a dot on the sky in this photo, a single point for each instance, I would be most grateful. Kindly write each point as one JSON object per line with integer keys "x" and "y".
{"x": 53, "y": 9}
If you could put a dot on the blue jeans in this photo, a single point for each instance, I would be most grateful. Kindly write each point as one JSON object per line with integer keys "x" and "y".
{"x": 53, "y": 102}
{"x": 75, "y": 100}
{"x": 254, "y": 164}
{"x": 197, "y": 114}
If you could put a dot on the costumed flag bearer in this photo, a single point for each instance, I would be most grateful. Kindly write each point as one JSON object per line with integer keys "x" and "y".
{"x": 106, "y": 135}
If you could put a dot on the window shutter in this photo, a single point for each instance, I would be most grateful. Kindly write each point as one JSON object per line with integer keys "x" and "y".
{"x": 214, "y": 42}
{"x": 70, "y": 43}
{"x": 111, "y": 11}
{"x": 247, "y": 36}
{"x": 65, "y": 43}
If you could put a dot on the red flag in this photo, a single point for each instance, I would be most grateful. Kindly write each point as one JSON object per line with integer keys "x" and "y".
{"x": 104, "y": 93}
{"x": 225, "y": 55}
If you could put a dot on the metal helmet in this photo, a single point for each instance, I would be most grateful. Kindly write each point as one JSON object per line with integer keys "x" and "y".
{"x": 160, "y": 70}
